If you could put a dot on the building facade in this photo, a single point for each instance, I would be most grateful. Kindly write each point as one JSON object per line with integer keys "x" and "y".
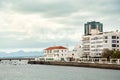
{"x": 111, "y": 40}
{"x": 94, "y": 40}
{"x": 55, "y": 53}
{"x": 60, "y": 53}
{"x": 93, "y": 45}
{"x": 75, "y": 54}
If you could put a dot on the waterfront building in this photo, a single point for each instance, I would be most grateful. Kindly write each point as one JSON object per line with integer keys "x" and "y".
{"x": 86, "y": 46}
{"x": 61, "y": 53}
{"x": 75, "y": 54}
{"x": 95, "y": 43}
{"x": 55, "y": 53}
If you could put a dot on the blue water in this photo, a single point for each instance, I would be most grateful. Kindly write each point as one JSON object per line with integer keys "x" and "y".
{"x": 46, "y": 72}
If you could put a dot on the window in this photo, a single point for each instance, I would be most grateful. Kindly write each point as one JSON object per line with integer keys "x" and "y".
{"x": 113, "y": 45}
{"x": 105, "y": 41}
{"x": 92, "y": 46}
{"x": 57, "y": 50}
{"x": 117, "y": 41}
{"x": 117, "y": 45}
{"x": 113, "y": 37}
{"x": 117, "y": 37}
{"x": 72, "y": 54}
{"x": 50, "y": 51}
{"x": 106, "y": 37}
{"x": 99, "y": 46}
{"x": 113, "y": 41}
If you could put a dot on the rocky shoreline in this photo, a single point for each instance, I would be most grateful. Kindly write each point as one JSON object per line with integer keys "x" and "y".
{"x": 77, "y": 64}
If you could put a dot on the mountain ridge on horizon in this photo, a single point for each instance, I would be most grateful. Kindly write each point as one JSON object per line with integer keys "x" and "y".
{"x": 21, "y": 53}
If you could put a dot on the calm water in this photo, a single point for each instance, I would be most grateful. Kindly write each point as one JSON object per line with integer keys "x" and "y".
{"x": 45, "y": 72}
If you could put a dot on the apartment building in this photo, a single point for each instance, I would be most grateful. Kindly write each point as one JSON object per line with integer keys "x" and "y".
{"x": 95, "y": 43}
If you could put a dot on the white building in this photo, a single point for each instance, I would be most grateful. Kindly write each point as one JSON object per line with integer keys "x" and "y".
{"x": 93, "y": 45}
{"x": 95, "y": 40}
{"x": 86, "y": 46}
{"x": 60, "y": 53}
{"x": 55, "y": 53}
{"x": 112, "y": 40}
{"x": 75, "y": 54}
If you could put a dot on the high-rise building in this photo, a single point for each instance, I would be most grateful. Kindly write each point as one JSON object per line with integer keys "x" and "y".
{"x": 94, "y": 40}
{"x": 93, "y": 28}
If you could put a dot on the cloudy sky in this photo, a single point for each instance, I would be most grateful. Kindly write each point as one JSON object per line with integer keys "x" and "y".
{"x": 37, "y": 24}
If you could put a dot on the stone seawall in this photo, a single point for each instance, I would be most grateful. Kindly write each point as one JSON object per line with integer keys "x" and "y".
{"x": 77, "y": 64}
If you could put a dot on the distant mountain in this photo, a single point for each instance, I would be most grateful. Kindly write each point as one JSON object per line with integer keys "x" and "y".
{"x": 21, "y": 54}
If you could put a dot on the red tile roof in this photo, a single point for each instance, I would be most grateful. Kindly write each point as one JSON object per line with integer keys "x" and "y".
{"x": 55, "y": 47}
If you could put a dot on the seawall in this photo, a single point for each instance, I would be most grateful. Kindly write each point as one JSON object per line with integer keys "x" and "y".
{"x": 77, "y": 64}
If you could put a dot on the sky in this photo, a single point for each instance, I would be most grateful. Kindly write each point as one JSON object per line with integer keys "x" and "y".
{"x": 33, "y": 25}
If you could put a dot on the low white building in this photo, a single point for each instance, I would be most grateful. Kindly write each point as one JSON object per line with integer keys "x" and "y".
{"x": 76, "y": 53}
{"x": 55, "y": 53}
{"x": 60, "y": 53}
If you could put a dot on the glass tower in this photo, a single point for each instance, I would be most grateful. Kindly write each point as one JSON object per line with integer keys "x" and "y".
{"x": 93, "y": 28}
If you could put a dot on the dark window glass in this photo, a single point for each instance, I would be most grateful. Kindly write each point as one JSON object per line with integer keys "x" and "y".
{"x": 113, "y": 37}
{"x": 117, "y": 41}
{"x": 117, "y": 45}
{"x": 113, "y": 45}
{"x": 105, "y": 41}
{"x": 113, "y": 41}
{"x": 106, "y": 37}
{"x": 117, "y": 37}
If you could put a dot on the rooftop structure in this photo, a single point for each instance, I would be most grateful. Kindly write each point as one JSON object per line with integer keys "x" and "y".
{"x": 91, "y": 28}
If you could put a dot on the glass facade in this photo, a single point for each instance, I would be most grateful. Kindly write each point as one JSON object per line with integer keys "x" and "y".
{"x": 92, "y": 25}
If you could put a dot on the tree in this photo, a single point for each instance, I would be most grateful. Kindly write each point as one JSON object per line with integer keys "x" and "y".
{"x": 116, "y": 55}
{"x": 107, "y": 53}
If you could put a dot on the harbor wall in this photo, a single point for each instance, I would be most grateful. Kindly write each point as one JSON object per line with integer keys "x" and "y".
{"x": 77, "y": 64}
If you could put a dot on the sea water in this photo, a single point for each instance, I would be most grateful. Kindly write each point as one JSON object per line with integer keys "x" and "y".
{"x": 47, "y": 72}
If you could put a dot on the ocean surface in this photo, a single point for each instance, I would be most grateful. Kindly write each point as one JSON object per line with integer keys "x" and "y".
{"x": 47, "y": 72}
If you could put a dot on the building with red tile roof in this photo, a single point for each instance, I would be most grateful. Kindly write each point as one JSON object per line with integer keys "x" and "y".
{"x": 61, "y": 53}
{"x": 55, "y": 53}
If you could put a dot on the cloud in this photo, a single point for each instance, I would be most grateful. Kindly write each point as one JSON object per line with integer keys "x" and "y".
{"x": 43, "y": 23}
{"x": 32, "y": 30}
{"x": 55, "y": 8}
